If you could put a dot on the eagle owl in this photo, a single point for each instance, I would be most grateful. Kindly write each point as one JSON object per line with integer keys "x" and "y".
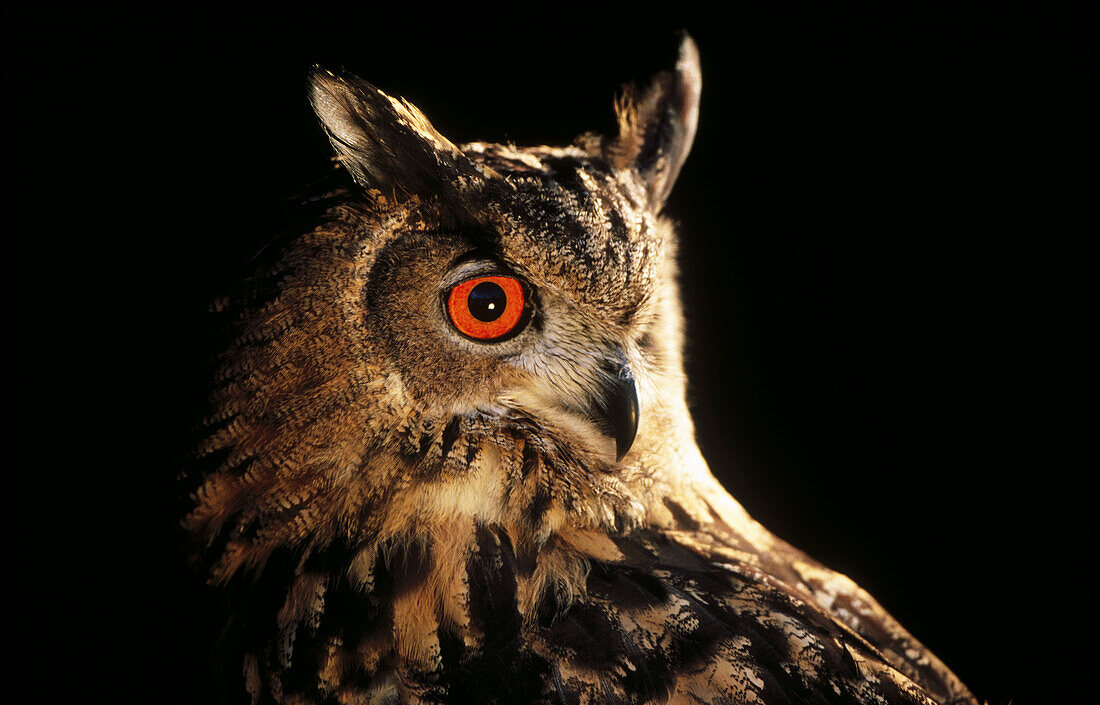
{"x": 452, "y": 457}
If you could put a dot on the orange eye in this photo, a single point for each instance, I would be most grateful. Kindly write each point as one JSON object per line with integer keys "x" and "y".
{"x": 486, "y": 308}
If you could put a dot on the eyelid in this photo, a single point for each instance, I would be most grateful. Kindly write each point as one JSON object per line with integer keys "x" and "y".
{"x": 474, "y": 268}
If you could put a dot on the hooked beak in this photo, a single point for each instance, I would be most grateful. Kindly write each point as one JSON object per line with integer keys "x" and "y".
{"x": 617, "y": 406}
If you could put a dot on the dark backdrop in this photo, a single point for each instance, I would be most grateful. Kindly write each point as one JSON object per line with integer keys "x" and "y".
{"x": 861, "y": 267}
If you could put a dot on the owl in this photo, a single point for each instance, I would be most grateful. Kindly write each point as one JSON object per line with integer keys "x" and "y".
{"x": 449, "y": 457}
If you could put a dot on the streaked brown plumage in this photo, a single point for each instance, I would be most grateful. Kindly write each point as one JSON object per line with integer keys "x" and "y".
{"x": 403, "y": 514}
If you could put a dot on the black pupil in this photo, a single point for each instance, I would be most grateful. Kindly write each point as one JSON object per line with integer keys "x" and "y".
{"x": 487, "y": 301}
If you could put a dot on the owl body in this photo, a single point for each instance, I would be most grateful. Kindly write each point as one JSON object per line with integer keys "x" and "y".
{"x": 452, "y": 457}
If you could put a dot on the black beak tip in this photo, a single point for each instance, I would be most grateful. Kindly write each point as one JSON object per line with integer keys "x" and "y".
{"x": 622, "y": 447}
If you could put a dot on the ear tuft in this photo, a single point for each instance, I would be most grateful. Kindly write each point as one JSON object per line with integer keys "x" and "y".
{"x": 385, "y": 143}
{"x": 657, "y": 128}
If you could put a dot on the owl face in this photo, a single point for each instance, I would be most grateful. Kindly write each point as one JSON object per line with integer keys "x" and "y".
{"x": 479, "y": 312}
{"x": 532, "y": 275}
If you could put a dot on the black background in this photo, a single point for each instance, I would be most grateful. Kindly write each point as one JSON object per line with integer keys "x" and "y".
{"x": 870, "y": 237}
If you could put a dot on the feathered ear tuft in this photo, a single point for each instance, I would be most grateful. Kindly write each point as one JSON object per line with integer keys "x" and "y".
{"x": 385, "y": 143}
{"x": 656, "y": 129}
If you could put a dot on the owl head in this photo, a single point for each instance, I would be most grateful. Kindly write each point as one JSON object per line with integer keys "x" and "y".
{"x": 473, "y": 333}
